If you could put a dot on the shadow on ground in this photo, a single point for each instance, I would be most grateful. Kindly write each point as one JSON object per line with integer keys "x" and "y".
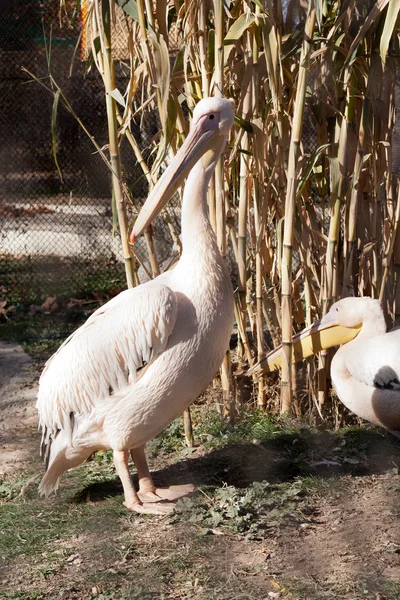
{"x": 356, "y": 452}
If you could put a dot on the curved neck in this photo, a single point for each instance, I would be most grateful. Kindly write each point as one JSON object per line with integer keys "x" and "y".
{"x": 372, "y": 326}
{"x": 197, "y": 233}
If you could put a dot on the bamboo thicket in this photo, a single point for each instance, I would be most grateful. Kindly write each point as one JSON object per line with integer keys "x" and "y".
{"x": 305, "y": 204}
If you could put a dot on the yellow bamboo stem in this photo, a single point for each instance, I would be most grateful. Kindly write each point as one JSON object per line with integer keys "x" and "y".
{"x": 290, "y": 202}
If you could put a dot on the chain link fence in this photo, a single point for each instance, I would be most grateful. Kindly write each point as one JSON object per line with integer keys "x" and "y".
{"x": 56, "y": 235}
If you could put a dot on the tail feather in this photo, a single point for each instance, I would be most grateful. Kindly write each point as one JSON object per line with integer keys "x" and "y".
{"x": 62, "y": 457}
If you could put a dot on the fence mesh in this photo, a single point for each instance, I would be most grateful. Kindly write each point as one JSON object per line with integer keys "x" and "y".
{"x": 56, "y": 236}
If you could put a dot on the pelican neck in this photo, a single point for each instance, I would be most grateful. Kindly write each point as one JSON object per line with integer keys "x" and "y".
{"x": 197, "y": 233}
{"x": 373, "y": 326}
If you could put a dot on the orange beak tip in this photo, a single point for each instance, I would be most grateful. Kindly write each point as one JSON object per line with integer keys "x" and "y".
{"x": 132, "y": 239}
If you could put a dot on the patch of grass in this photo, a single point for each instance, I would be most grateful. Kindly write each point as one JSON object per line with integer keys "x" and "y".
{"x": 31, "y": 280}
{"x": 359, "y": 436}
{"x": 345, "y": 588}
{"x": 11, "y": 488}
{"x": 32, "y": 528}
{"x": 318, "y": 486}
{"x": 249, "y": 425}
{"x": 391, "y": 589}
{"x": 42, "y": 334}
{"x": 212, "y": 431}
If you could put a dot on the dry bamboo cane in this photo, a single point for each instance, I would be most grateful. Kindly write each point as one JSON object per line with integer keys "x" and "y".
{"x": 375, "y": 276}
{"x": 188, "y": 428}
{"x": 259, "y": 303}
{"x": 202, "y": 48}
{"x": 338, "y": 192}
{"x": 115, "y": 157}
{"x": 155, "y": 269}
{"x": 219, "y": 92}
{"x": 290, "y": 203}
{"x": 396, "y": 260}
{"x": 258, "y": 198}
{"x": 244, "y": 196}
{"x": 389, "y": 254}
{"x": 226, "y": 371}
{"x": 389, "y": 100}
{"x": 349, "y": 274}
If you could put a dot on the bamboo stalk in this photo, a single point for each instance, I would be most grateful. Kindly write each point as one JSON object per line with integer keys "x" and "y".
{"x": 114, "y": 150}
{"x": 244, "y": 198}
{"x": 349, "y": 283}
{"x": 286, "y": 381}
{"x": 188, "y": 428}
{"x": 202, "y": 48}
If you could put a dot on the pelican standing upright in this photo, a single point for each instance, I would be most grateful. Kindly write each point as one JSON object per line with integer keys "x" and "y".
{"x": 94, "y": 392}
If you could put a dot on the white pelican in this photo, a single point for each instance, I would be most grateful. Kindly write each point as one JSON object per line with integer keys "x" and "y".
{"x": 366, "y": 368}
{"x": 142, "y": 358}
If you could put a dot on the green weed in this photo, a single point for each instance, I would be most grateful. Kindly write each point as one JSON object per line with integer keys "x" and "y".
{"x": 251, "y": 510}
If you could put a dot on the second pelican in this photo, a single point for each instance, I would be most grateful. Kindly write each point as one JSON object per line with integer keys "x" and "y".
{"x": 366, "y": 368}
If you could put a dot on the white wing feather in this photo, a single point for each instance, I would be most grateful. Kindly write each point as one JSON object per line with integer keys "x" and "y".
{"x": 376, "y": 361}
{"x": 104, "y": 355}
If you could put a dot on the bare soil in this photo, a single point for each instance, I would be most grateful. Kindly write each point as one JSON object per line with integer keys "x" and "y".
{"x": 18, "y": 423}
{"x": 344, "y": 545}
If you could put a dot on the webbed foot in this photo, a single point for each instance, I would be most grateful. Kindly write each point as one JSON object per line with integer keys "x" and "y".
{"x": 174, "y": 492}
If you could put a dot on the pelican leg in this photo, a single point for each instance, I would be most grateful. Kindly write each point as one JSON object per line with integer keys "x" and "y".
{"x": 147, "y": 490}
{"x": 132, "y": 501}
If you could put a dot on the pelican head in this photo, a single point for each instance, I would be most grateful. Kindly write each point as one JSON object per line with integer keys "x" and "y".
{"x": 212, "y": 121}
{"x": 342, "y": 323}
{"x": 352, "y": 312}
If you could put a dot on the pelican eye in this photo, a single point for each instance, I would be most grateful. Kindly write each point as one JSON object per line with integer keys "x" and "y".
{"x": 211, "y": 117}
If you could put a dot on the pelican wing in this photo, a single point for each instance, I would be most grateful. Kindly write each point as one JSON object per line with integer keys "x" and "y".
{"x": 104, "y": 355}
{"x": 376, "y": 361}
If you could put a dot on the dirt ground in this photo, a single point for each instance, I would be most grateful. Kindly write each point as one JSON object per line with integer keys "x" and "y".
{"x": 341, "y": 540}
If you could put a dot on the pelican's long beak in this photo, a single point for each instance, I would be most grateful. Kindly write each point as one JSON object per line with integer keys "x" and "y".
{"x": 196, "y": 144}
{"x": 321, "y": 335}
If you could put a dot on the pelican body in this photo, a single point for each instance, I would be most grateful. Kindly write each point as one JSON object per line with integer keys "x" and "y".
{"x": 365, "y": 369}
{"x": 141, "y": 359}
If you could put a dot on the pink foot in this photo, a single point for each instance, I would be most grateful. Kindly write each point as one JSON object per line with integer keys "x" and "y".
{"x": 171, "y": 493}
{"x": 152, "y": 508}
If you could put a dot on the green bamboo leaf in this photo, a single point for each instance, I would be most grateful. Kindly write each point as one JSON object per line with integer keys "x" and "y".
{"x": 130, "y": 7}
{"x": 179, "y": 60}
{"x": 54, "y": 130}
{"x": 309, "y": 167}
{"x": 243, "y": 151}
{"x": 390, "y": 22}
{"x": 260, "y": 5}
{"x": 246, "y": 125}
